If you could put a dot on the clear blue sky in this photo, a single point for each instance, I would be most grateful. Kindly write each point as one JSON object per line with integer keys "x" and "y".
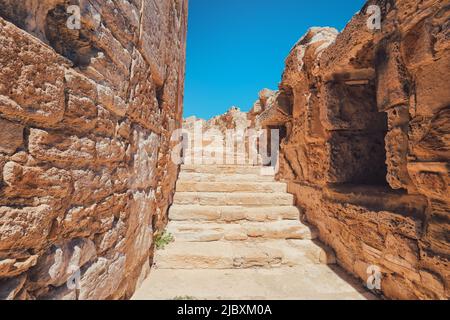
{"x": 235, "y": 48}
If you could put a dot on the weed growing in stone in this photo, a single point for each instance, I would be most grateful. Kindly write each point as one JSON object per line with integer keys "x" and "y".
{"x": 163, "y": 239}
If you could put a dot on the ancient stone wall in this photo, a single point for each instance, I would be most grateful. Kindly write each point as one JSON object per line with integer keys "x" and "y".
{"x": 367, "y": 147}
{"x": 86, "y": 116}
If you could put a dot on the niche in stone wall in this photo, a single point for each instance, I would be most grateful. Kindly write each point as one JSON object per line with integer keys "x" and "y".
{"x": 357, "y": 131}
{"x": 74, "y": 44}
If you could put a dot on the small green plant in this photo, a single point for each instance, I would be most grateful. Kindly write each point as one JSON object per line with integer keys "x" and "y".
{"x": 163, "y": 239}
{"x": 184, "y": 298}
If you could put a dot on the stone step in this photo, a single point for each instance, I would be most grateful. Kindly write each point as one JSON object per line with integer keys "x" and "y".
{"x": 232, "y": 213}
{"x": 221, "y": 150}
{"x": 215, "y": 169}
{"x": 207, "y": 232}
{"x": 264, "y": 187}
{"x": 316, "y": 282}
{"x": 213, "y": 161}
{"x": 209, "y": 155}
{"x": 234, "y": 199}
{"x": 241, "y": 255}
{"x": 218, "y": 177}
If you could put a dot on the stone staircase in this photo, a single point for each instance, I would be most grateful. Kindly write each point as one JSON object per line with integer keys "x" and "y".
{"x": 235, "y": 217}
{"x": 238, "y": 236}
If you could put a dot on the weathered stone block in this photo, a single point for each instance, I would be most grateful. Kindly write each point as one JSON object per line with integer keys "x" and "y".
{"x": 31, "y": 78}
{"x": 80, "y": 115}
{"x": 110, "y": 150}
{"x": 10, "y": 287}
{"x": 430, "y": 137}
{"x": 25, "y": 228}
{"x": 11, "y": 136}
{"x": 432, "y": 87}
{"x": 417, "y": 45}
{"x": 60, "y": 262}
{"x": 102, "y": 278}
{"x": 145, "y": 159}
{"x": 80, "y": 153}
{"x": 108, "y": 99}
{"x": 60, "y": 148}
{"x": 152, "y": 45}
{"x": 15, "y": 267}
{"x": 396, "y": 159}
{"x": 26, "y": 182}
{"x": 393, "y": 85}
{"x": 79, "y": 85}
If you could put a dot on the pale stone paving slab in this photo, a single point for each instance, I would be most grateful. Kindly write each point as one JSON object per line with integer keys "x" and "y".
{"x": 207, "y": 231}
{"x": 195, "y": 186}
{"x": 316, "y": 282}
{"x": 233, "y": 199}
{"x": 232, "y": 213}
{"x": 214, "y": 177}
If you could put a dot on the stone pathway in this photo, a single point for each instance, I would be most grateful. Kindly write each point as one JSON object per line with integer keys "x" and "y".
{"x": 238, "y": 236}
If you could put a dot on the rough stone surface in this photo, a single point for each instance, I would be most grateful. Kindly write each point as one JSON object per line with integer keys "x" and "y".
{"x": 366, "y": 151}
{"x": 86, "y": 117}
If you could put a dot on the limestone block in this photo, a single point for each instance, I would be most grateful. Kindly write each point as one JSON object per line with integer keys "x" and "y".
{"x": 432, "y": 88}
{"x": 417, "y": 45}
{"x": 396, "y": 159}
{"x": 10, "y": 287}
{"x": 25, "y": 228}
{"x": 79, "y": 85}
{"x": 145, "y": 159}
{"x": 108, "y": 99}
{"x": 23, "y": 181}
{"x": 61, "y": 262}
{"x": 80, "y": 114}
{"x": 32, "y": 78}
{"x": 110, "y": 150}
{"x": 11, "y": 136}
{"x": 392, "y": 80}
{"x": 102, "y": 278}
{"x": 152, "y": 45}
{"x": 430, "y": 178}
{"x": 60, "y": 148}
{"x": 15, "y": 267}
{"x": 430, "y": 137}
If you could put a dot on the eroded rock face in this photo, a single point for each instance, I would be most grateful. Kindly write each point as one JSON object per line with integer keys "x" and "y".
{"x": 86, "y": 117}
{"x": 367, "y": 151}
